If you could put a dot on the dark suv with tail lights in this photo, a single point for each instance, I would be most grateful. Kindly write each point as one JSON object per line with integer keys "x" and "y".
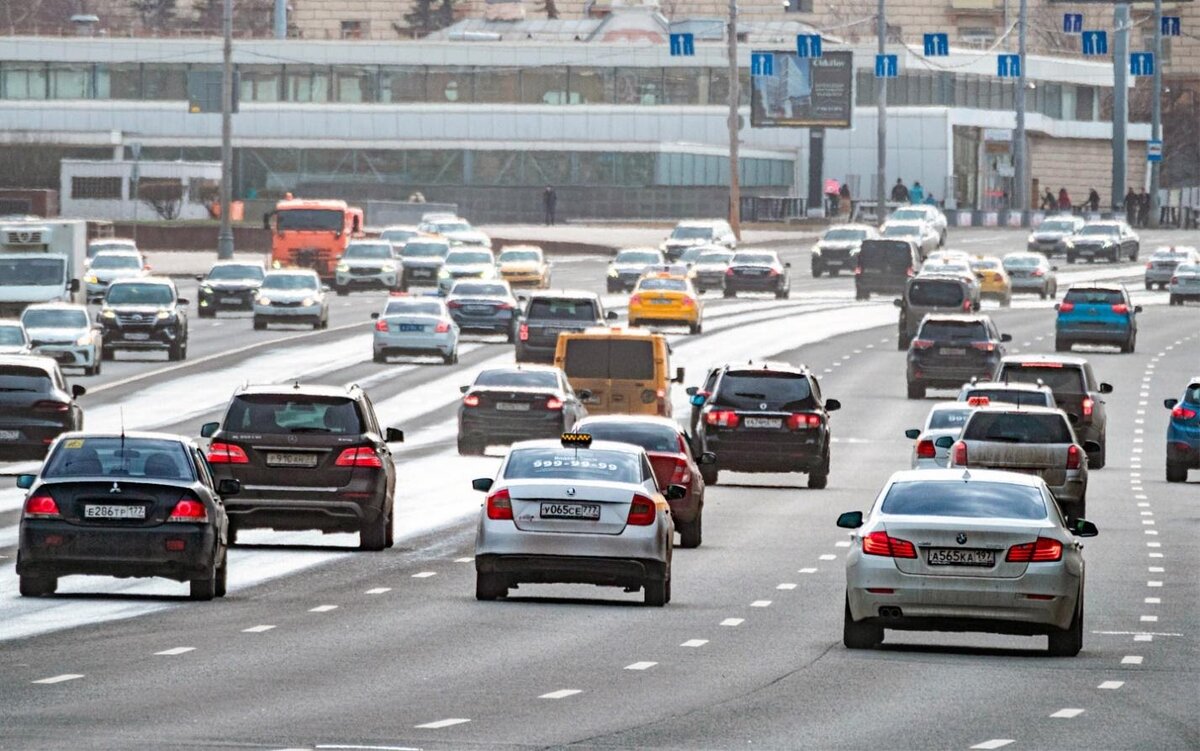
{"x": 36, "y": 405}
{"x": 516, "y": 403}
{"x": 765, "y": 417}
{"x": 950, "y": 350}
{"x": 307, "y": 457}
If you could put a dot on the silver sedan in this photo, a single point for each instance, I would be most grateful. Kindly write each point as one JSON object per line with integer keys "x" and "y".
{"x": 573, "y": 511}
{"x": 955, "y": 550}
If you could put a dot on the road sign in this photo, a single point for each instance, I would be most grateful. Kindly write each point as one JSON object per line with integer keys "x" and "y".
{"x": 1170, "y": 26}
{"x": 683, "y": 45}
{"x": 808, "y": 45}
{"x": 1008, "y": 66}
{"x": 886, "y": 66}
{"x": 1153, "y": 151}
{"x": 762, "y": 64}
{"x": 937, "y": 45}
{"x": 1094, "y": 42}
{"x": 1141, "y": 63}
{"x": 1072, "y": 23}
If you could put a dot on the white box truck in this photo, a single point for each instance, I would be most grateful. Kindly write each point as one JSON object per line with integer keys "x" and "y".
{"x": 41, "y": 260}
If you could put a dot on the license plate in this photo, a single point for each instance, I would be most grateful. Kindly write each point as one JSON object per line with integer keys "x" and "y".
{"x": 661, "y": 301}
{"x": 422, "y": 273}
{"x": 10, "y": 435}
{"x": 231, "y": 300}
{"x": 960, "y": 557}
{"x": 137, "y": 337}
{"x": 477, "y": 309}
{"x": 763, "y": 422}
{"x": 292, "y": 460}
{"x": 512, "y": 406}
{"x": 753, "y": 272}
{"x": 113, "y": 512}
{"x": 952, "y": 351}
{"x": 585, "y": 511}
{"x": 411, "y": 327}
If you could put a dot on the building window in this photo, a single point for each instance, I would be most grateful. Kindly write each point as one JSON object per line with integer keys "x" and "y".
{"x": 164, "y": 82}
{"x": 798, "y": 6}
{"x": 402, "y": 84}
{"x": 119, "y": 81}
{"x": 592, "y": 86}
{"x": 259, "y": 83}
{"x": 71, "y": 82}
{"x": 307, "y": 84}
{"x": 639, "y": 86}
{"x": 547, "y": 85}
{"x": 497, "y": 85}
{"x": 24, "y": 81}
{"x": 96, "y": 187}
{"x": 354, "y": 85}
{"x": 354, "y": 29}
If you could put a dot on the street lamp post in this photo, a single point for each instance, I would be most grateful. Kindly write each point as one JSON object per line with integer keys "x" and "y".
{"x": 225, "y": 238}
{"x": 735, "y": 192}
{"x": 1156, "y": 114}
{"x": 881, "y": 125}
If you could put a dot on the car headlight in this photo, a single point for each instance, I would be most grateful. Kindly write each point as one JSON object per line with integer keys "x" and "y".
{"x": 91, "y": 279}
{"x": 389, "y": 267}
{"x": 206, "y": 289}
{"x": 1031, "y": 239}
{"x": 816, "y": 250}
{"x": 84, "y": 340}
{"x": 612, "y": 271}
{"x": 343, "y": 267}
{"x": 1068, "y": 242}
{"x": 163, "y": 315}
{"x": 264, "y": 300}
{"x": 307, "y": 302}
{"x": 443, "y": 274}
{"x": 108, "y": 313}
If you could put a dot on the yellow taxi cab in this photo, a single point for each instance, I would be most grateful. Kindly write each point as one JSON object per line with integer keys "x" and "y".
{"x": 666, "y": 298}
{"x": 625, "y": 371}
{"x": 524, "y": 265}
{"x": 993, "y": 279}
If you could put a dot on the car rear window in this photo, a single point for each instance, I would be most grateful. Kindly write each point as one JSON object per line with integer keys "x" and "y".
{"x": 753, "y": 259}
{"x": 621, "y": 359}
{"x": 1022, "y": 262}
{"x": 1014, "y": 396}
{"x": 751, "y": 389}
{"x": 288, "y": 413}
{"x": 15, "y": 379}
{"x": 477, "y": 289}
{"x": 11, "y": 335}
{"x": 1018, "y": 427}
{"x": 935, "y": 293}
{"x": 518, "y": 378}
{"x": 944, "y": 419}
{"x": 649, "y": 437}
{"x": 638, "y": 256}
{"x": 670, "y": 285}
{"x": 892, "y": 256}
{"x": 964, "y": 331}
{"x": 1062, "y": 379}
{"x": 971, "y": 500}
{"x": 1192, "y": 395}
{"x": 118, "y": 457}
{"x": 559, "y": 309}
{"x": 714, "y": 258}
{"x": 1094, "y": 296}
{"x": 573, "y": 464}
{"x": 412, "y": 307}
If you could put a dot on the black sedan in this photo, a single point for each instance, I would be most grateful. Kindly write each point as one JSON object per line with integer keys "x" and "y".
{"x": 229, "y": 285}
{"x": 758, "y": 271}
{"x": 484, "y": 306}
{"x": 35, "y": 405}
{"x": 125, "y": 505}
{"x": 517, "y": 404}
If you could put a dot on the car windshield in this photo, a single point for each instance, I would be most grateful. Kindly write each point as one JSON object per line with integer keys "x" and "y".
{"x": 649, "y": 436}
{"x": 909, "y": 214}
{"x": 844, "y": 235}
{"x": 468, "y": 257}
{"x": 943, "y": 419}
{"x": 715, "y": 259}
{"x": 237, "y": 271}
{"x": 691, "y": 254}
{"x": 520, "y": 256}
{"x": 288, "y": 413}
{"x": 970, "y": 500}
{"x": 750, "y": 389}
{"x": 96, "y": 248}
{"x": 444, "y": 227}
{"x": 291, "y": 281}
{"x": 115, "y": 261}
{"x": 985, "y": 264}
{"x": 1018, "y": 427}
{"x": 21, "y": 272}
{"x": 671, "y": 285}
{"x": 48, "y": 318}
{"x": 316, "y": 220}
{"x": 120, "y": 458}
{"x": 397, "y": 235}
{"x": 559, "y": 309}
{"x": 1022, "y": 262}
{"x": 1187, "y": 268}
{"x": 1098, "y": 230}
{"x": 422, "y": 249}
{"x": 902, "y": 230}
{"x": 1021, "y": 397}
{"x": 610, "y": 358}
{"x": 1192, "y": 395}
{"x": 139, "y": 294}
{"x": 374, "y": 250}
{"x": 16, "y": 378}
{"x": 413, "y": 307}
{"x": 961, "y": 331}
{"x": 935, "y": 293}
{"x": 475, "y": 289}
{"x": 692, "y": 233}
{"x": 892, "y": 256}
{"x": 753, "y": 259}
{"x": 11, "y": 335}
{"x": 573, "y": 464}
{"x": 1060, "y": 379}
{"x": 1056, "y": 225}
{"x": 1094, "y": 296}
{"x": 541, "y": 379}
{"x": 638, "y": 256}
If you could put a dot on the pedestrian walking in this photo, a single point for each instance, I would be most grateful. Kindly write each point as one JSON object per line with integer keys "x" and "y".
{"x": 844, "y": 196}
{"x": 900, "y": 191}
{"x": 1143, "y": 208}
{"x": 1064, "y": 200}
{"x": 549, "y": 202}
{"x": 1093, "y": 200}
{"x": 917, "y": 193}
{"x": 1049, "y": 202}
{"x": 1131, "y": 206}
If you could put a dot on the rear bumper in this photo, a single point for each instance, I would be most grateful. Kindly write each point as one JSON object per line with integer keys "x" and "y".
{"x": 561, "y": 569}
{"x": 948, "y": 377}
{"x": 1183, "y": 446}
{"x": 535, "y": 352}
{"x": 495, "y": 427}
{"x": 442, "y": 344}
{"x": 754, "y": 284}
{"x": 1107, "y": 334}
{"x": 123, "y": 552}
{"x": 769, "y": 451}
{"x": 645, "y": 314}
{"x": 501, "y": 323}
{"x": 1022, "y": 283}
{"x": 343, "y": 509}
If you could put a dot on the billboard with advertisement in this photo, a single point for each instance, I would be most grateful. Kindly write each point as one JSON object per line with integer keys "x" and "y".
{"x": 804, "y": 92}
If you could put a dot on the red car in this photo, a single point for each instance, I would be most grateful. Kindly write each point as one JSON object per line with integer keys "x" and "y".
{"x": 671, "y": 459}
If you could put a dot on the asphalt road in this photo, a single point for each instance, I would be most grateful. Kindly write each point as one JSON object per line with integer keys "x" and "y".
{"x": 318, "y": 646}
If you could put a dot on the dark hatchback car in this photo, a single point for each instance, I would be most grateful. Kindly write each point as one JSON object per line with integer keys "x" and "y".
{"x": 484, "y": 306}
{"x": 36, "y": 406}
{"x": 307, "y": 457}
{"x": 144, "y": 314}
{"x": 768, "y": 417}
{"x": 125, "y": 505}
{"x": 884, "y": 267}
{"x": 932, "y": 294}
{"x": 758, "y": 271}
{"x": 520, "y": 403}
{"x": 950, "y": 350}
{"x": 548, "y": 314}
{"x": 229, "y": 285}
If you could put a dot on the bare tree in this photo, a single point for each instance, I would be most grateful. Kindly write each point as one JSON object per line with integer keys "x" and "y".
{"x": 165, "y": 196}
{"x": 155, "y": 15}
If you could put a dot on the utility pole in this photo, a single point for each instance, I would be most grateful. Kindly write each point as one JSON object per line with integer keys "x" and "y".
{"x": 1156, "y": 114}
{"x": 1020, "y": 144}
{"x": 1120, "y": 114}
{"x": 735, "y": 96}
{"x": 881, "y": 125}
{"x": 280, "y": 19}
{"x": 225, "y": 238}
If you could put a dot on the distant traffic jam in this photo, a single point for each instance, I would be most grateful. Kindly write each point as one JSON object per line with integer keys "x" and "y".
{"x": 601, "y": 475}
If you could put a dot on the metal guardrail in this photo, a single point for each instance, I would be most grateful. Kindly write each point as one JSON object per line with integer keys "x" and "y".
{"x": 772, "y": 208}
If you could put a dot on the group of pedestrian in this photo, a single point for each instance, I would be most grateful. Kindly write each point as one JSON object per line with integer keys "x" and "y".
{"x": 1063, "y": 202}
{"x": 1137, "y": 208}
{"x": 901, "y": 193}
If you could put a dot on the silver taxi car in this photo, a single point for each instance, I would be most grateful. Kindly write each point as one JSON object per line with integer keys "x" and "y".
{"x": 66, "y": 333}
{"x": 415, "y": 326}
{"x": 575, "y": 512}
{"x": 965, "y": 550}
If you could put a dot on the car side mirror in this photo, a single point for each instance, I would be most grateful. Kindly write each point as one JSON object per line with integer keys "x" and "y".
{"x": 832, "y": 405}
{"x": 1092, "y": 447}
{"x": 707, "y": 457}
{"x": 228, "y": 487}
{"x": 1006, "y": 337}
{"x": 393, "y": 435}
{"x": 74, "y": 285}
{"x": 1106, "y": 388}
{"x": 1056, "y": 306}
{"x": 675, "y": 492}
{"x": 912, "y": 433}
{"x": 610, "y": 315}
{"x": 584, "y": 394}
{"x": 691, "y": 390}
{"x": 1137, "y": 308}
{"x": 898, "y": 302}
{"x": 678, "y": 376}
{"x": 1084, "y": 528}
{"x": 787, "y": 265}
{"x": 209, "y": 429}
{"x": 944, "y": 442}
{"x": 1170, "y": 403}
{"x": 482, "y": 484}
{"x": 78, "y": 391}
{"x": 183, "y": 301}
{"x": 200, "y": 278}
{"x": 375, "y": 316}
{"x": 463, "y": 389}
{"x": 850, "y": 520}
{"x": 25, "y": 482}
{"x": 1054, "y": 268}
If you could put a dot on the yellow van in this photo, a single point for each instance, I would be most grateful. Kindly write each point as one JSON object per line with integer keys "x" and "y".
{"x": 627, "y": 371}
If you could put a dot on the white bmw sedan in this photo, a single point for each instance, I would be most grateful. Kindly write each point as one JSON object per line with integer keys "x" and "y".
{"x": 955, "y": 550}
{"x": 573, "y": 511}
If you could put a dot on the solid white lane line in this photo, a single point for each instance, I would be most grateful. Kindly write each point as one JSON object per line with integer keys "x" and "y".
{"x": 257, "y": 629}
{"x": 1111, "y": 685}
{"x": 828, "y": 557}
{"x": 1067, "y": 713}
{"x": 693, "y": 643}
{"x": 641, "y": 666}
{"x": 60, "y": 678}
{"x": 176, "y": 651}
{"x": 424, "y": 574}
{"x": 761, "y": 604}
{"x": 993, "y": 743}
{"x": 733, "y": 622}
{"x": 346, "y": 747}
{"x": 442, "y": 723}
{"x": 322, "y": 608}
{"x": 561, "y": 693}
{"x": 1131, "y": 660}
{"x": 377, "y": 591}
{"x": 786, "y": 585}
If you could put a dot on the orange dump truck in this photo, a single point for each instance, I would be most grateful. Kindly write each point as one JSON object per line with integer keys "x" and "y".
{"x": 312, "y": 234}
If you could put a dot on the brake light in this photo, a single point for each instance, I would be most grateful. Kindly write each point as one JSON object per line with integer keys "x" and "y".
{"x": 960, "y": 454}
{"x": 881, "y": 543}
{"x": 926, "y": 449}
{"x": 381, "y": 325}
{"x": 858, "y": 270}
{"x": 1073, "y": 457}
{"x": 772, "y": 272}
{"x": 966, "y": 306}
{"x": 682, "y": 475}
{"x": 722, "y": 418}
{"x": 1174, "y": 280}
{"x": 978, "y": 401}
{"x": 729, "y": 271}
{"x": 642, "y": 511}
{"x": 1121, "y": 309}
{"x": 922, "y": 343}
{"x": 1183, "y": 413}
{"x": 504, "y": 306}
{"x": 442, "y": 327}
{"x": 1087, "y": 406}
{"x": 1066, "y": 307}
{"x": 359, "y": 456}
{"x": 1149, "y": 265}
{"x": 188, "y": 510}
{"x": 454, "y": 304}
{"x": 1038, "y": 272}
{"x": 226, "y": 453}
{"x": 909, "y": 271}
{"x": 688, "y": 302}
{"x": 49, "y": 405}
{"x": 499, "y": 505}
{"x": 1042, "y": 550}
{"x": 984, "y": 346}
{"x": 41, "y": 507}
{"x": 523, "y": 332}
{"x": 554, "y": 403}
{"x": 471, "y": 400}
{"x": 804, "y": 421}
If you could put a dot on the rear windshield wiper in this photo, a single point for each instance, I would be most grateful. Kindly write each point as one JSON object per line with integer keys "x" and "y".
{"x": 310, "y": 430}
{"x": 749, "y": 395}
{"x": 1005, "y": 438}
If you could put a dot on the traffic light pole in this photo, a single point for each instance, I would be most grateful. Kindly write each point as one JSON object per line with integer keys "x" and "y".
{"x": 1120, "y": 115}
{"x": 735, "y": 97}
{"x": 225, "y": 238}
{"x": 1020, "y": 144}
{"x": 1156, "y": 114}
{"x": 881, "y": 126}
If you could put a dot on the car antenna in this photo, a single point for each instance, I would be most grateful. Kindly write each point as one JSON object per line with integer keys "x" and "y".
{"x": 124, "y": 456}
{"x": 296, "y": 384}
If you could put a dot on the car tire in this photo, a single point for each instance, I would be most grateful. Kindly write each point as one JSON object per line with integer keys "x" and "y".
{"x": 834, "y": 272}
{"x": 656, "y": 592}
{"x": 379, "y": 357}
{"x": 783, "y": 294}
{"x": 860, "y": 634}
{"x": 818, "y": 479}
{"x": 490, "y": 586}
{"x": 373, "y": 535}
{"x": 510, "y": 336}
{"x": 1070, "y": 258}
{"x": 1061, "y": 345}
{"x": 221, "y": 583}
{"x": 727, "y": 293}
{"x": 1172, "y": 300}
{"x": 710, "y": 475}
{"x": 817, "y": 270}
{"x": 206, "y": 313}
{"x": 341, "y": 291}
{"x": 231, "y": 536}
{"x": 690, "y": 533}
{"x": 107, "y": 353}
{"x": 1100, "y": 458}
{"x": 1177, "y": 472}
{"x": 94, "y": 370}
{"x": 451, "y": 359}
{"x": 325, "y": 322}
{"x": 1044, "y": 293}
{"x": 1069, "y": 641}
{"x": 38, "y": 586}
{"x": 466, "y": 448}
{"x": 696, "y": 328}
{"x": 1149, "y": 286}
{"x": 204, "y": 589}
{"x": 259, "y": 325}
{"x": 390, "y": 532}
{"x": 316, "y": 325}
{"x": 174, "y": 352}
{"x": 1006, "y": 301}
{"x": 916, "y": 391}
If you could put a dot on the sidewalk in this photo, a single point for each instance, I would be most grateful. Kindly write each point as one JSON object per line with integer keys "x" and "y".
{"x": 611, "y": 237}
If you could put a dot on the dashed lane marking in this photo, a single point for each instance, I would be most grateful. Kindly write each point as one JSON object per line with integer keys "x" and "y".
{"x": 641, "y": 666}
{"x": 1153, "y": 600}
{"x": 786, "y": 585}
{"x": 377, "y": 591}
{"x": 1155, "y": 555}
{"x": 808, "y": 571}
{"x": 1156, "y": 569}
{"x": 1111, "y": 685}
{"x": 993, "y": 743}
{"x": 438, "y": 724}
{"x": 345, "y": 747}
{"x": 424, "y": 574}
{"x": 60, "y": 678}
{"x": 1131, "y": 660}
{"x": 1149, "y": 619}
{"x": 561, "y": 693}
{"x": 322, "y": 608}
{"x": 1067, "y": 713}
{"x": 694, "y": 643}
{"x": 842, "y": 544}
{"x": 1153, "y": 583}
{"x": 464, "y": 560}
{"x": 175, "y": 651}
{"x": 257, "y": 629}
{"x": 1154, "y": 544}
{"x": 733, "y": 622}
{"x": 828, "y": 557}
{"x": 761, "y": 604}
{"x": 1143, "y": 637}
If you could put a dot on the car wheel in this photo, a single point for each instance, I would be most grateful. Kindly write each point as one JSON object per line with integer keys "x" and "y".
{"x": 510, "y": 336}
{"x": 690, "y": 533}
{"x": 817, "y": 270}
{"x": 783, "y": 294}
{"x": 451, "y": 359}
{"x": 1149, "y": 286}
{"x": 1043, "y": 294}
{"x": 1006, "y": 301}
{"x": 696, "y": 328}
{"x": 1069, "y": 641}
{"x": 205, "y": 313}
{"x": 204, "y": 589}
{"x": 710, "y": 474}
{"x": 655, "y": 593}
{"x": 379, "y": 357}
{"x": 1172, "y": 300}
{"x": 1176, "y": 472}
{"x": 259, "y": 325}
{"x": 860, "y": 635}
{"x": 38, "y": 586}
{"x": 316, "y": 325}
{"x": 390, "y": 532}
{"x": 1070, "y": 258}
{"x": 467, "y": 448}
{"x": 1061, "y": 345}
{"x": 834, "y": 272}
{"x": 231, "y": 534}
{"x": 342, "y": 291}
{"x": 916, "y": 391}
{"x": 819, "y": 478}
{"x": 174, "y": 352}
{"x": 325, "y": 322}
{"x": 222, "y": 580}
{"x": 490, "y": 586}
{"x": 373, "y": 535}
{"x": 728, "y": 292}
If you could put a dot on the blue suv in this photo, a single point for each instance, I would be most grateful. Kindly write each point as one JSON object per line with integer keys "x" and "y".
{"x": 1096, "y": 313}
{"x": 1183, "y": 433}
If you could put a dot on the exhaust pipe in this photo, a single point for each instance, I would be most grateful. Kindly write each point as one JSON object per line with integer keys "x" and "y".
{"x": 889, "y": 612}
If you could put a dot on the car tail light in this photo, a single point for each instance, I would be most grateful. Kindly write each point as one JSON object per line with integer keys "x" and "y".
{"x": 978, "y": 401}
{"x": 682, "y": 475}
{"x": 803, "y": 421}
{"x": 41, "y": 507}
{"x": 1149, "y": 265}
{"x": 635, "y": 299}
{"x": 1066, "y": 307}
{"x": 188, "y": 510}
{"x": 1073, "y": 457}
{"x": 966, "y": 306}
{"x": 1042, "y": 550}
{"x": 504, "y": 306}
{"x": 772, "y": 272}
{"x": 922, "y": 343}
{"x": 441, "y": 328}
{"x": 729, "y": 271}
{"x": 523, "y": 332}
{"x": 554, "y": 403}
{"x": 926, "y": 449}
{"x": 1174, "y": 280}
{"x": 909, "y": 271}
{"x": 471, "y": 400}
{"x": 499, "y": 505}
{"x": 50, "y": 405}
{"x": 1121, "y": 309}
{"x": 1087, "y": 407}
{"x": 1038, "y": 272}
{"x": 226, "y": 453}
{"x": 642, "y": 511}
{"x": 688, "y": 302}
{"x": 359, "y": 456}
{"x": 722, "y": 418}
{"x": 881, "y": 543}
{"x": 984, "y": 346}
{"x": 454, "y": 304}
{"x": 959, "y": 453}
{"x": 1183, "y": 413}
{"x": 858, "y": 270}
{"x": 381, "y": 325}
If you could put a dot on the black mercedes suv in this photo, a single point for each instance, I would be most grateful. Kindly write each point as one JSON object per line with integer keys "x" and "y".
{"x": 144, "y": 314}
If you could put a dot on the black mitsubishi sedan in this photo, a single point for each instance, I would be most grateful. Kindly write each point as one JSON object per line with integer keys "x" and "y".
{"x": 132, "y": 505}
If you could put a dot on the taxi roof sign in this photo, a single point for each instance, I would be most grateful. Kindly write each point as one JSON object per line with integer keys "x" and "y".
{"x": 576, "y": 440}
